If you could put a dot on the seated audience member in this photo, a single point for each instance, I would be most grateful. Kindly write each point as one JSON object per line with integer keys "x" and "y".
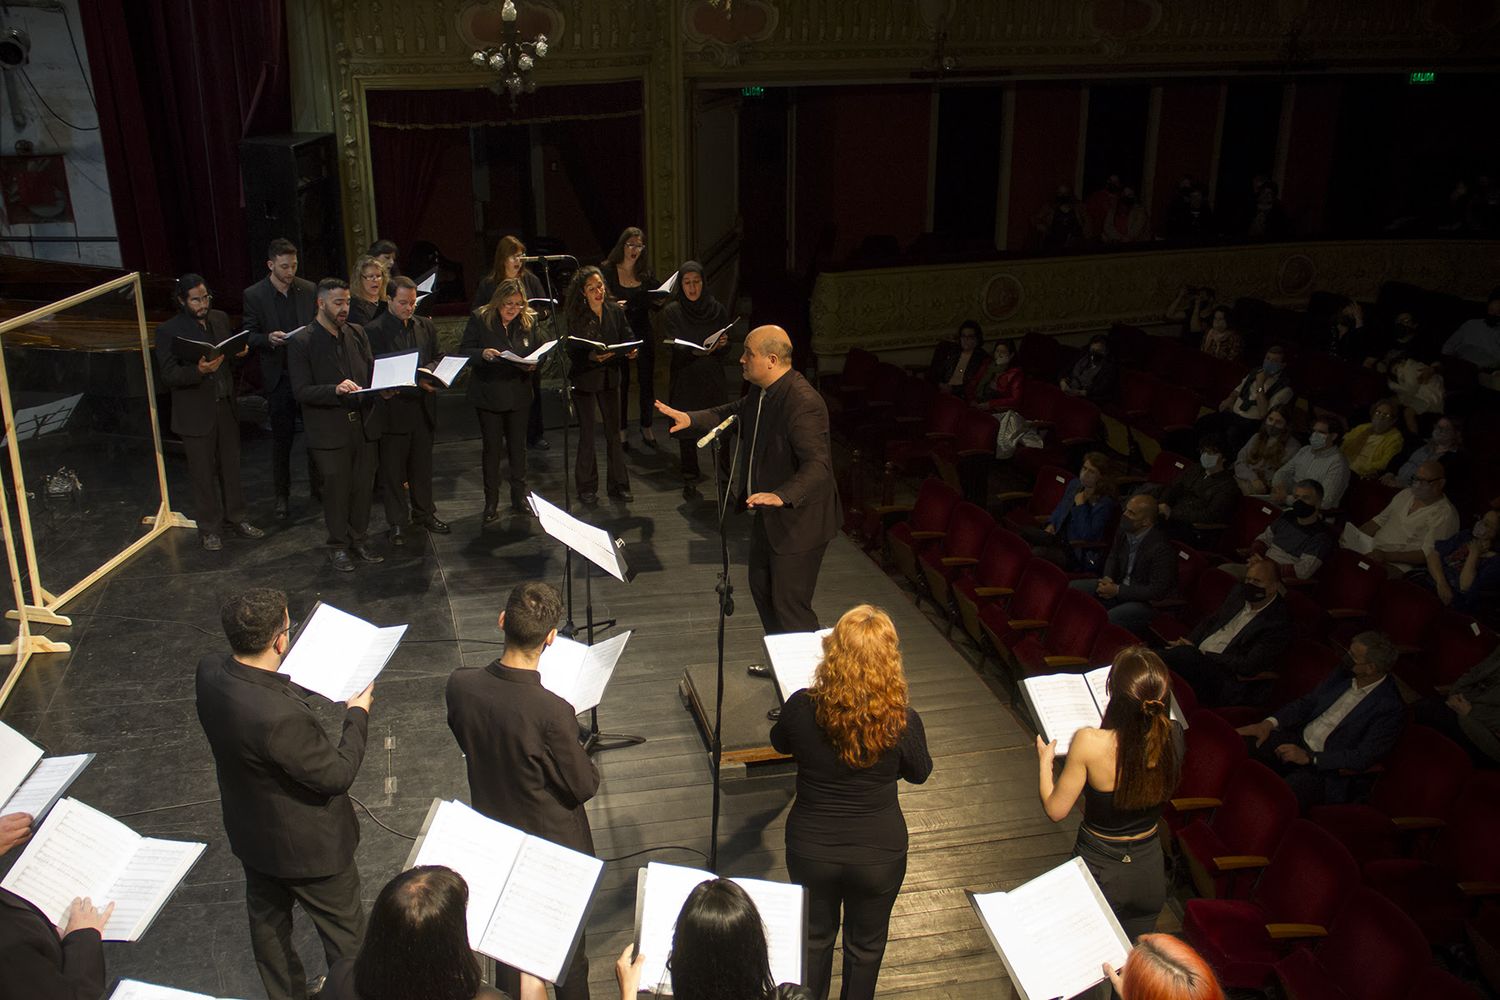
{"x": 1324, "y": 741}
{"x": 1192, "y": 309}
{"x": 718, "y": 952}
{"x": 1320, "y": 459}
{"x": 39, "y": 961}
{"x": 1463, "y": 567}
{"x": 1162, "y": 967}
{"x": 1060, "y": 224}
{"x": 1141, "y": 568}
{"x": 1228, "y": 658}
{"x": 1094, "y": 374}
{"x": 1249, "y": 403}
{"x": 1269, "y": 220}
{"x": 1190, "y": 217}
{"x": 1477, "y": 341}
{"x": 1299, "y": 540}
{"x": 998, "y": 384}
{"x": 1127, "y": 222}
{"x": 1413, "y": 522}
{"x": 1082, "y": 515}
{"x": 1468, "y": 713}
{"x": 1268, "y": 450}
{"x": 1203, "y": 494}
{"x": 956, "y": 362}
{"x": 1220, "y": 339}
{"x": 1349, "y": 339}
{"x": 416, "y": 944}
{"x": 1419, "y": 390}
{"x": 1370, "y": 447}
{"x": 1406, "y": 341}
{"x": 1445, "y": 446}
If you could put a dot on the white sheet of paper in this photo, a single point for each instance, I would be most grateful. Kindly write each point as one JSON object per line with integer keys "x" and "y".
{"x": 77, "y": 851}
{"x": 479, "y": 849}
{"x": 533, "y": 358}
{"x": 134, "y": 989}
{"x": 669, "y": 285}
{"x": 578, "y": 673}
{"x": 541, "y": 908}
{"x": 18, "y": 756}
{"x": 150, "y": 877}
{"x": 1098, "y": 680}
{"x": 394, "y": 372}
{"x": 46, "y": 785}
{"x": 1062, "y": 704}
{"x": 794, "y": 659}
{"x": 337, "y": 654}
{"x": 1054, "y": 933}
{"x": 1353, "y": 538}
{"x": 594, "y": 544}
{"x": 447, "y": 369}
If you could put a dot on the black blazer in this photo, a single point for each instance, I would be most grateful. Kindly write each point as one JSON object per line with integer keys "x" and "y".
{"x": 1365, "y": 736}
{"x": 260, "y": 320}
{"x": 791, "y": 460}
{"x": 1260, "y": 644}
{"x": 316, "y": 364}
{"x": 498, "y": 385}
{"x": 587, "y": 374}
{"x": 283, "y": 783}
{"x": 526, "y": 766}
{"x": 35, "y": 964}
{"x": 193, "y": 393}
{"x": 487, "y": 285}
{"x": 1155, "y": 575}
{"x": 403, "y": 412}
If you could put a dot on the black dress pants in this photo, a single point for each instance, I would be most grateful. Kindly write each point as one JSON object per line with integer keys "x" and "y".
{"x": 214, "y": 467}
{"x": 865, "y": 894}
{"x": 575, "y": 985}
{"x": 1131, "y": 875}
{"x": 645, "y": 370}
{"x": 1305, "y": 781}
{"x": 406, "y": 461}
{"x": 1213, "y": 684}
{"x": 782, "y": 584}
{"x": 535, "y": 428}
{"x": 503, "y": 430}
{"x": 586, "y": 465}
{"x": 332, "y": 903}
{"x": 348, "y": 486}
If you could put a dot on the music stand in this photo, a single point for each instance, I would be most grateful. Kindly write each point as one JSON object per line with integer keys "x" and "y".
{"x": 597, "y": 548}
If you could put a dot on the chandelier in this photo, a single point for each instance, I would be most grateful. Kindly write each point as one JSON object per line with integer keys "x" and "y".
{"x": 512, "y": 58}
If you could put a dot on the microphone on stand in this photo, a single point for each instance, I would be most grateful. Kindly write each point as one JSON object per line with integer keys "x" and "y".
{"x": 542, "y": 258}
{"x": 714, "y": 434}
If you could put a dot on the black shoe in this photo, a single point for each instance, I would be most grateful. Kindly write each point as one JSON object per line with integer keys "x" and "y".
{"x": 244, "y": 529}
{"x": 758, "y": 670}
{"x": 367, "y": 554}
{"x": 649, "y": 437}
{"x": 540, "y": 444}
{"x": 491, "y": 511}
{"x": 588, "y": 498}
{"x": 437, "y": 527}
{"x": 522, "y": 509}
{"x": 341, "y": 561}
{"x": 283, "y": 508}
{"x": 774, "y": 714}
{"x": 211, "y": 541}
{"x": 398, "y": 537}
{"x": 624, "y": 496}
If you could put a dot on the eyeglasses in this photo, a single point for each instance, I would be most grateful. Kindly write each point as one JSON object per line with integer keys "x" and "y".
{"x": 635, "y": 246}
{"x": 1435, "y": 479}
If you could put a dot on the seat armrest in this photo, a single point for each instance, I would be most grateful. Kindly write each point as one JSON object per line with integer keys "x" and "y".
{"x": 1189, "y": 803}
{"x": 1013, "y": 495}
{"x": 959, "y": 561}
{"x": 1026, "y": 624}
{"x": 1066, "y": 661}
{"x": 993, "y": 591}
{"x": 925, "y": 536}
{"x": 1284, "y": 932}
{"x": 1240, "y": 862}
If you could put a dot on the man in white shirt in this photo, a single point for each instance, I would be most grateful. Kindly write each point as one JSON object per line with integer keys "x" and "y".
{"x": 1322, "y": 742}
{"x": 1413, "y": 522}
{"x": 1321, "y": 459}
{"x": 1229, "y": 658}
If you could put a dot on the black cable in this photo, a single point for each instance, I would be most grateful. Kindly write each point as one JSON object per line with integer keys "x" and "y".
{"x": 82, "y": 72}
{"x": 38, "y": 94}
{"x": 157, "y": 809}
{"x": 664, "y": 847}
{"x": 378, "y": 821}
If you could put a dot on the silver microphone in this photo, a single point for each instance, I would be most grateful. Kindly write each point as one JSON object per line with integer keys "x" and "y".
{"x": 713, "y": 435}
{"x": 543, "y": 258}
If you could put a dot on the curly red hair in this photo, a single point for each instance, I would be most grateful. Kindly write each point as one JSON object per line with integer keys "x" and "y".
{"x": 859, "y": 693}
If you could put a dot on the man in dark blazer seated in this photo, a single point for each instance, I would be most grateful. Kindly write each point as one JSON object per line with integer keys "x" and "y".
{"x": 283, "y": 789}
{"x": 204, "y": 413}
{"x": 1229, "y": 657}
{"x": 329, "y": 361}
{"x": 783, "y": 474}
{"x": 526, "y": 766}
{"x": 1141, "y": 568}
{"x": 1323, "y": 741}
{"x": 410, "y": 417}
{"x": 276, "y": 307}
{"x": 37, "y": 962}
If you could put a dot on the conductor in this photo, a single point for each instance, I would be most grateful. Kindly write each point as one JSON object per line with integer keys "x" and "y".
{"x": 782, "y": 474}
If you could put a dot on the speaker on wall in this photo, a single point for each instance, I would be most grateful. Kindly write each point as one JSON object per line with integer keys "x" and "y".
{"x": 291, "y": 187}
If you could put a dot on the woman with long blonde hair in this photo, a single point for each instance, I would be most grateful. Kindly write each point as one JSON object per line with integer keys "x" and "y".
{"x": 853, "y": 735}
{"x": 500, "y": 390}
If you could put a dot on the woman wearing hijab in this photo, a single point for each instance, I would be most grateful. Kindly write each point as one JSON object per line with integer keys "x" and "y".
{"x": 693, "y": 314}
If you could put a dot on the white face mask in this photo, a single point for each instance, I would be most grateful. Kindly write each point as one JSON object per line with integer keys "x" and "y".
{"x": 1317, "y": 439}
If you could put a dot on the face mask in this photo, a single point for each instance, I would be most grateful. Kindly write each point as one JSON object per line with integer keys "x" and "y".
{"x": 1442, "y": 435}
{"x": 1301, "y": 508}
{"x": 1097, "y": 356}
{"x": 1273, "y": 367}
{"x": 1481, "y": 532}
{"x": 1317, "y": 439}
{"x": 1381, "y": 423}
{"x": 1273, "y": 431}
{"x": 1002, "y": 361}
{"x": 1252, "y": 592}
{"x": 1209, "y": 460}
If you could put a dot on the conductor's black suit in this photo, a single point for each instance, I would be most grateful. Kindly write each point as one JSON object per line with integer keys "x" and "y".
{"x": 37, "y": 964}
{"x": 205, "y": 416}
{"x": 268, "y": 310}
{"x": 410, "y": 420}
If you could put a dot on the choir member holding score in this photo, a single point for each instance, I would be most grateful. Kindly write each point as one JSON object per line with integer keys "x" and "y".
{"x": 367, "y": 291}
{"x": 630, "y": 285}
{"x": 500, "y": 389}
{"x": 510, "y": 254}
{"x": 596, "y": 381}
{"x": 694, "y": 315}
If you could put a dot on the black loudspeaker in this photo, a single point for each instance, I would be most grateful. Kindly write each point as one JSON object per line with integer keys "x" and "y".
{"x": 292, "y": 191}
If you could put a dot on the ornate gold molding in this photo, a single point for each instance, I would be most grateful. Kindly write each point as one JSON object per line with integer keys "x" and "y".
{"x": 898, "y": 307}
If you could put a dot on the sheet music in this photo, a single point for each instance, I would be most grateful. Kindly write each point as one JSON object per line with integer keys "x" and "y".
{"x": 534, "y": 357}
{"x": 478, "y": 848}
{"x": 337, "y": 654}
{"x": 77, "y": 851}
{"x": 594, "y": 544}
{"x": 134, "y": 989}
{"x": 1062, "y": 705}
{"x": 373, "y": 660}
{"x": 1353, "y": 538}
{"x": 394, "y": 371}
{"x": 1098, "y": 680}
{"x": 149, "y": 879}
{"x": 18, "y": 756}
{"x": 781, "y": 911}
{"x": 1054, "y": 933}
{"x": 794, "y": 659}
{"x": 446, "y": 370}
{"x": 544, "y": 902}
{"x": 578, "y": 673}
{"x": 46, "y": 785}
{"x": 667, "y": 287}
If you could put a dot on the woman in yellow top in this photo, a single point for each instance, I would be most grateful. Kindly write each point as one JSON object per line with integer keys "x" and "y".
{"x": 1370, "y": 447}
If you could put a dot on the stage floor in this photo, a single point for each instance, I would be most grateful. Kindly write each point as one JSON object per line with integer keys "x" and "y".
{"x": 126, "y": 693}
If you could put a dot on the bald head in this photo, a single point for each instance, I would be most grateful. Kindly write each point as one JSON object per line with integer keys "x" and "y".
{"x": 1140, "y": 513}
{"x": 767, "y": 355}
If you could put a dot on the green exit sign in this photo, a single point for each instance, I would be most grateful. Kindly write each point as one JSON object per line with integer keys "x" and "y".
{"x": 752, "y": 91}
{"x": 1423, "y": 77}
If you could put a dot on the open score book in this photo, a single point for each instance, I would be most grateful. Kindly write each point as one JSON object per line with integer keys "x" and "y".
{"x": 134, "y": 989}
{"x": 794, "y": 659}
{"x": 29, "y": 783}
{"x": 578, "y": 673}
{"x": 337, "y": 655}
{"x": 1062, "y": 704}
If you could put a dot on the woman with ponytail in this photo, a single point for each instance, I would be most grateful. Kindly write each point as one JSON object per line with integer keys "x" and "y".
{"x": 1125, "y": 770}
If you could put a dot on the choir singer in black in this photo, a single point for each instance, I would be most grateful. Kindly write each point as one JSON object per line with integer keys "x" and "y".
{"x": 410, "y": 420}
{"x": 283, "y": 789}
{"x": 204, "y": 412}
{"x": 782, "y": 474}
{"x": 693, "y": 315}
{"x": 596, "y": 381}
{"x": 500, "y": 389}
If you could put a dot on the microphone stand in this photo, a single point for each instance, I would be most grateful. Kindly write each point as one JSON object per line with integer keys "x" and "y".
{"x": 560, "y": 322}
{"x": 725, "y": 591}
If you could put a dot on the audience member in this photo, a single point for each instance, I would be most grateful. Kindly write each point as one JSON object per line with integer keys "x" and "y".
{"x": 1162, "y": 967}
{"x": 1192, "y": 308}
{"x": 1370, "y": 447}
{"x": 1094, "y": 374}
{"x": 1269, "y": 220}
{"x": 1230, "y": 657}
{"x": 1141, "y": 568}
{"x": 1445, "y": 446}
{"x": 1072, "y": 535}
{"x": 1419, "y": 389}
{"x": 1060, "y": 224}
{"x": 1100, "y": 205}
{"x": 1349, "y": 339}
{"x": 955, "y": 363}
{"x": 1468, "y": 712}
{"x": 1413, "y": 522}
{"x": 998, "y": 385}
{"x": 1477, "y": 341}
{"x": 1241, "y": 412}
{"x": 1324, "y": 741}
{"x": 1127, "y": 221}
{"x": 1405, "y": 340}
{"x": 1267, "y": 451}
{"x": 1464, "y": 567}
{"x": 1204, "y": 494}
{"x": 1191, "y": 217}
{"x": 1220, "y": 339}
{"x": 416, "y": 945}
{"x": 1320, "y": 459}
{"x": 1299, "y": 540}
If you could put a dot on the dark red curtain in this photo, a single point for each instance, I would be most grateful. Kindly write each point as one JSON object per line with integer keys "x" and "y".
{"x": 179, "y": 83}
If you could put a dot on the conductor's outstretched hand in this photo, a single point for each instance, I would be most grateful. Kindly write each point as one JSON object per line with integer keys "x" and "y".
{"x": 679, "y": 419}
